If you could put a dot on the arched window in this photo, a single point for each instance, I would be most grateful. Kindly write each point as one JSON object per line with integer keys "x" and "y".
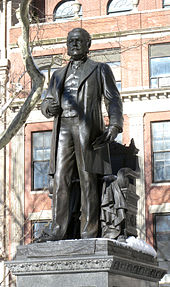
{"x": 166, "y": 3}
{"x": 119, "y": 6}
{"x": 64, "y": 10}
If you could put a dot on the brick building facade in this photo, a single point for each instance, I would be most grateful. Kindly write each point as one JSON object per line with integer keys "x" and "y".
{"x": 133, "y": 37}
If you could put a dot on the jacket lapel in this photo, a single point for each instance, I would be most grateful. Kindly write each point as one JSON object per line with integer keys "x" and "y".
{"x": 88, "y": 68}
{"x": 60, "y": 77}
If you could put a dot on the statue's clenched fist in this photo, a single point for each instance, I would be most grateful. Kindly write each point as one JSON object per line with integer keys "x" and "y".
{"x": 53, "y": 108}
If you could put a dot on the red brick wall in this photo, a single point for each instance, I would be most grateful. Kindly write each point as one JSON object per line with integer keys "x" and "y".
{"x": 117, "y": 23}
{"x": 149, "y": 5}
{"x": 134, "y": 57}
{"x": 125, "y": 137}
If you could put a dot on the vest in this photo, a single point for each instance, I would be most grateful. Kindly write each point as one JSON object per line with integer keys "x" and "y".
{"x": 69, "y": 97}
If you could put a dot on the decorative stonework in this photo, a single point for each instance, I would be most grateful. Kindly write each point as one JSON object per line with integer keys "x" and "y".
{"x": 56, "y": 266}
{"x": 110, "y": 264}
{"x": 138, "y": 269}
{"x": 85, "y": 256}
{"x": 144, "y": 95}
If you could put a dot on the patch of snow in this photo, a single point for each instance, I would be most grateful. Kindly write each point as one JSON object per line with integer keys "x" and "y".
{"x": 141, "y": 245}
{"x": 132, "y": 242}
{"x": 165, "y": 279}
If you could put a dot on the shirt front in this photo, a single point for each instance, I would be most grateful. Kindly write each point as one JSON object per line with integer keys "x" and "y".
{"x": 69, "y": 102}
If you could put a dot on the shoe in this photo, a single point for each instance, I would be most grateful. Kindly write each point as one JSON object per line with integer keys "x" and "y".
{"x": 44, "y": 237}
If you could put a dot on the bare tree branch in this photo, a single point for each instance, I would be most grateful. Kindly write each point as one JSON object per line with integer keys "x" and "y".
{"x": 36, "y": 76}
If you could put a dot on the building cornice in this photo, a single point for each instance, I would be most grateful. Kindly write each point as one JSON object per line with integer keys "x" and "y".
{"x": 127, "y": 96}
{"x": 100, "y": 36}
{"x": 146, "y": 94}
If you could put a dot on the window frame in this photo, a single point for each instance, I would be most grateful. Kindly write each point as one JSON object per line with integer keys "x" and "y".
{"x": 166, "y": 6}
{"x": 153, "y": 152}
{"x": 158, "y": 78}
{"x": 118, "y": 82}
{"x": 155, "y": 53}
{"x": 33, "y": 222}
{"x": 32, "y": 161}
{"x": 118, "y": 10}
{"x": 36, "y": 12}
{"x": 155, "y": 244}
{"x": 67, "y": 17}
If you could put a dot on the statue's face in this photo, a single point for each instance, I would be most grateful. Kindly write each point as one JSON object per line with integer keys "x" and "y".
{"x": 77, "y": 45}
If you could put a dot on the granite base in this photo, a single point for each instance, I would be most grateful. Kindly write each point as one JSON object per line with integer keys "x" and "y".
{"x": 84, "y": 263}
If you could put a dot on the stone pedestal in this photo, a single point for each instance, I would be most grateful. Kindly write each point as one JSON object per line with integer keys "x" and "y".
{"x": 84, "y": 263}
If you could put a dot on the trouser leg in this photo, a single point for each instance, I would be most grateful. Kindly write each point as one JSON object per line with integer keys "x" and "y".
{"x": 89, "y": 205}
{"x": 89, "y": 194}
{"x": 62, "y": 182}
{"x": 69, "y": 150}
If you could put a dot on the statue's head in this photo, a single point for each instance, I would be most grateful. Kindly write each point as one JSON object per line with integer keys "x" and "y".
{"x": 78, "y": 43}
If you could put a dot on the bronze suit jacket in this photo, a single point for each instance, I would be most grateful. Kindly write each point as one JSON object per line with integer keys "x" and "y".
{"x": 96, "y": 81}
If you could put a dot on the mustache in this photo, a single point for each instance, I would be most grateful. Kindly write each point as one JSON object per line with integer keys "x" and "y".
{"x": 75, "y": 48}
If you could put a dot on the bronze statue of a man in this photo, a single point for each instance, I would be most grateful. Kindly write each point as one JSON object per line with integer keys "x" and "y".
{"x": 79, "y": 136}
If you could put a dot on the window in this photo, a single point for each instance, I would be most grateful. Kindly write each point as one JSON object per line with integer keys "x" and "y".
{"x": 41, "y": 142}
{"x": 119, "y": 6}
{"x": 115, "y": 67}
{"x": 64, "y": 11}
{"x": 160, "y": 65}
{"x": 14, "y": 8}
{"x": 37, "y": 11}
{"x": 38, "y": 227}
{"x": 166, "y": 3}
{"x": 161, "y": 151}
{"x": 162, "y": 238}
{"x": 119, "y": 138}
{"x": 112, "y": 58}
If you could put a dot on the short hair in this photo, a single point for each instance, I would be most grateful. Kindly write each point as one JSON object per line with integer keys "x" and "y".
{"x": 85, "y": 33}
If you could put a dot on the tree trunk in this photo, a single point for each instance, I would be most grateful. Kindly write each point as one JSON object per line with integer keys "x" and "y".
{"x": 36, "y": 76}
